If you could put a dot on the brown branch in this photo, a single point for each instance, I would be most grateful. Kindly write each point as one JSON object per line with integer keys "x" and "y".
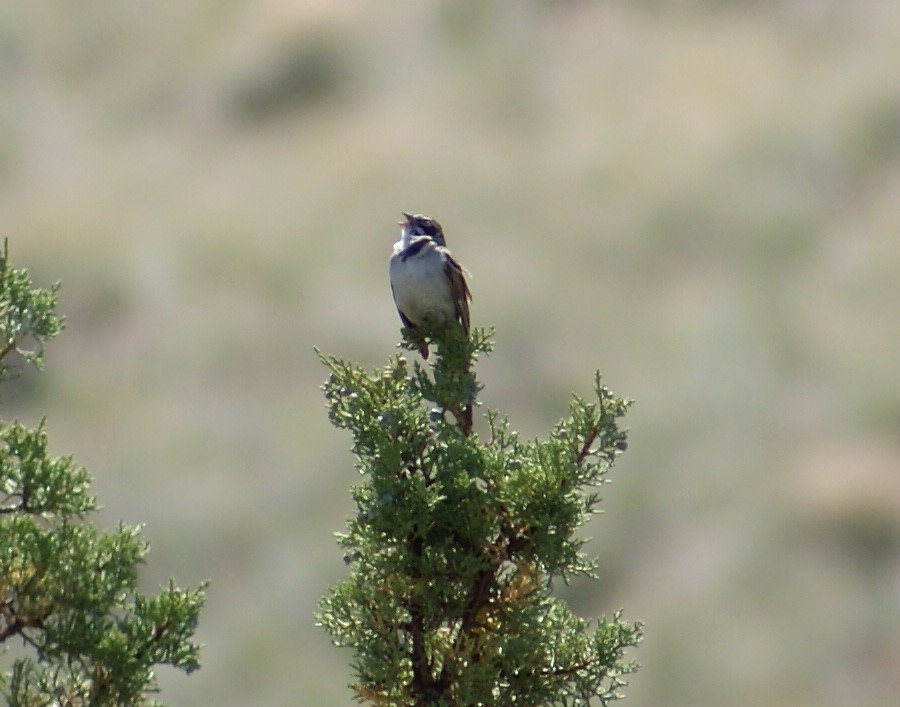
{"x": 464, "y": 419}
{"x": 506, "y": 545}
{"x": 17, "y": 623}
{"x": 12, "y": 628}
{"x": 10, "y": 346}
{"x": 424, "y": 686}
{"x": 586, "y": 447}
{"x": 11, "y": 509}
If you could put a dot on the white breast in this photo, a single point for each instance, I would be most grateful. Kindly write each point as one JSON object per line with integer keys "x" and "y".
{"x": 421, "y": 290}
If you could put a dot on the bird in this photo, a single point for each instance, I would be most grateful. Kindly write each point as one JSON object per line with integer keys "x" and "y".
{"x": 428, "y": 284}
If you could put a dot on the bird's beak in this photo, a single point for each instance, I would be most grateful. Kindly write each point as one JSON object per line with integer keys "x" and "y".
{"x": 409, "y": 218}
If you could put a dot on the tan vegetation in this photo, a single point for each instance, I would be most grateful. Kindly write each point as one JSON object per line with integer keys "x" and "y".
{"x": 700, "y": 199}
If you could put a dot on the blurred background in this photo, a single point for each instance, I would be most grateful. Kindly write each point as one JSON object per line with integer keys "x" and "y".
{"x": 700, "y": 199}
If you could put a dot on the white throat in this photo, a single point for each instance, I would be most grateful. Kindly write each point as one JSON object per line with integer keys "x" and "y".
{"x": 406, "y": 237}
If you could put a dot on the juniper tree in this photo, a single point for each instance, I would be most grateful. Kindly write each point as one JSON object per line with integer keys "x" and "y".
{"x": 457, "y": 540}
{"x": 83, "y": 634}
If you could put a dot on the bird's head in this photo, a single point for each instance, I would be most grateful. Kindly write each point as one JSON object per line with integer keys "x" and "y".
{"x": 419, "y": 225}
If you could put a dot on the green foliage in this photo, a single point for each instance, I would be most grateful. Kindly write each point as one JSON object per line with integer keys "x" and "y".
{"x": 27, "y": 315}
{"x": 68, "y": 590}
{"x": 457, "y": 541}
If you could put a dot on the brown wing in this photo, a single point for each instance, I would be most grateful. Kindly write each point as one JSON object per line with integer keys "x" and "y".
{"x": 459, "y": 289}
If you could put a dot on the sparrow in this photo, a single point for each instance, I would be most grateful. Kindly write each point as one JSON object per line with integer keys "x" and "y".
{"x": 426, "y": 281}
